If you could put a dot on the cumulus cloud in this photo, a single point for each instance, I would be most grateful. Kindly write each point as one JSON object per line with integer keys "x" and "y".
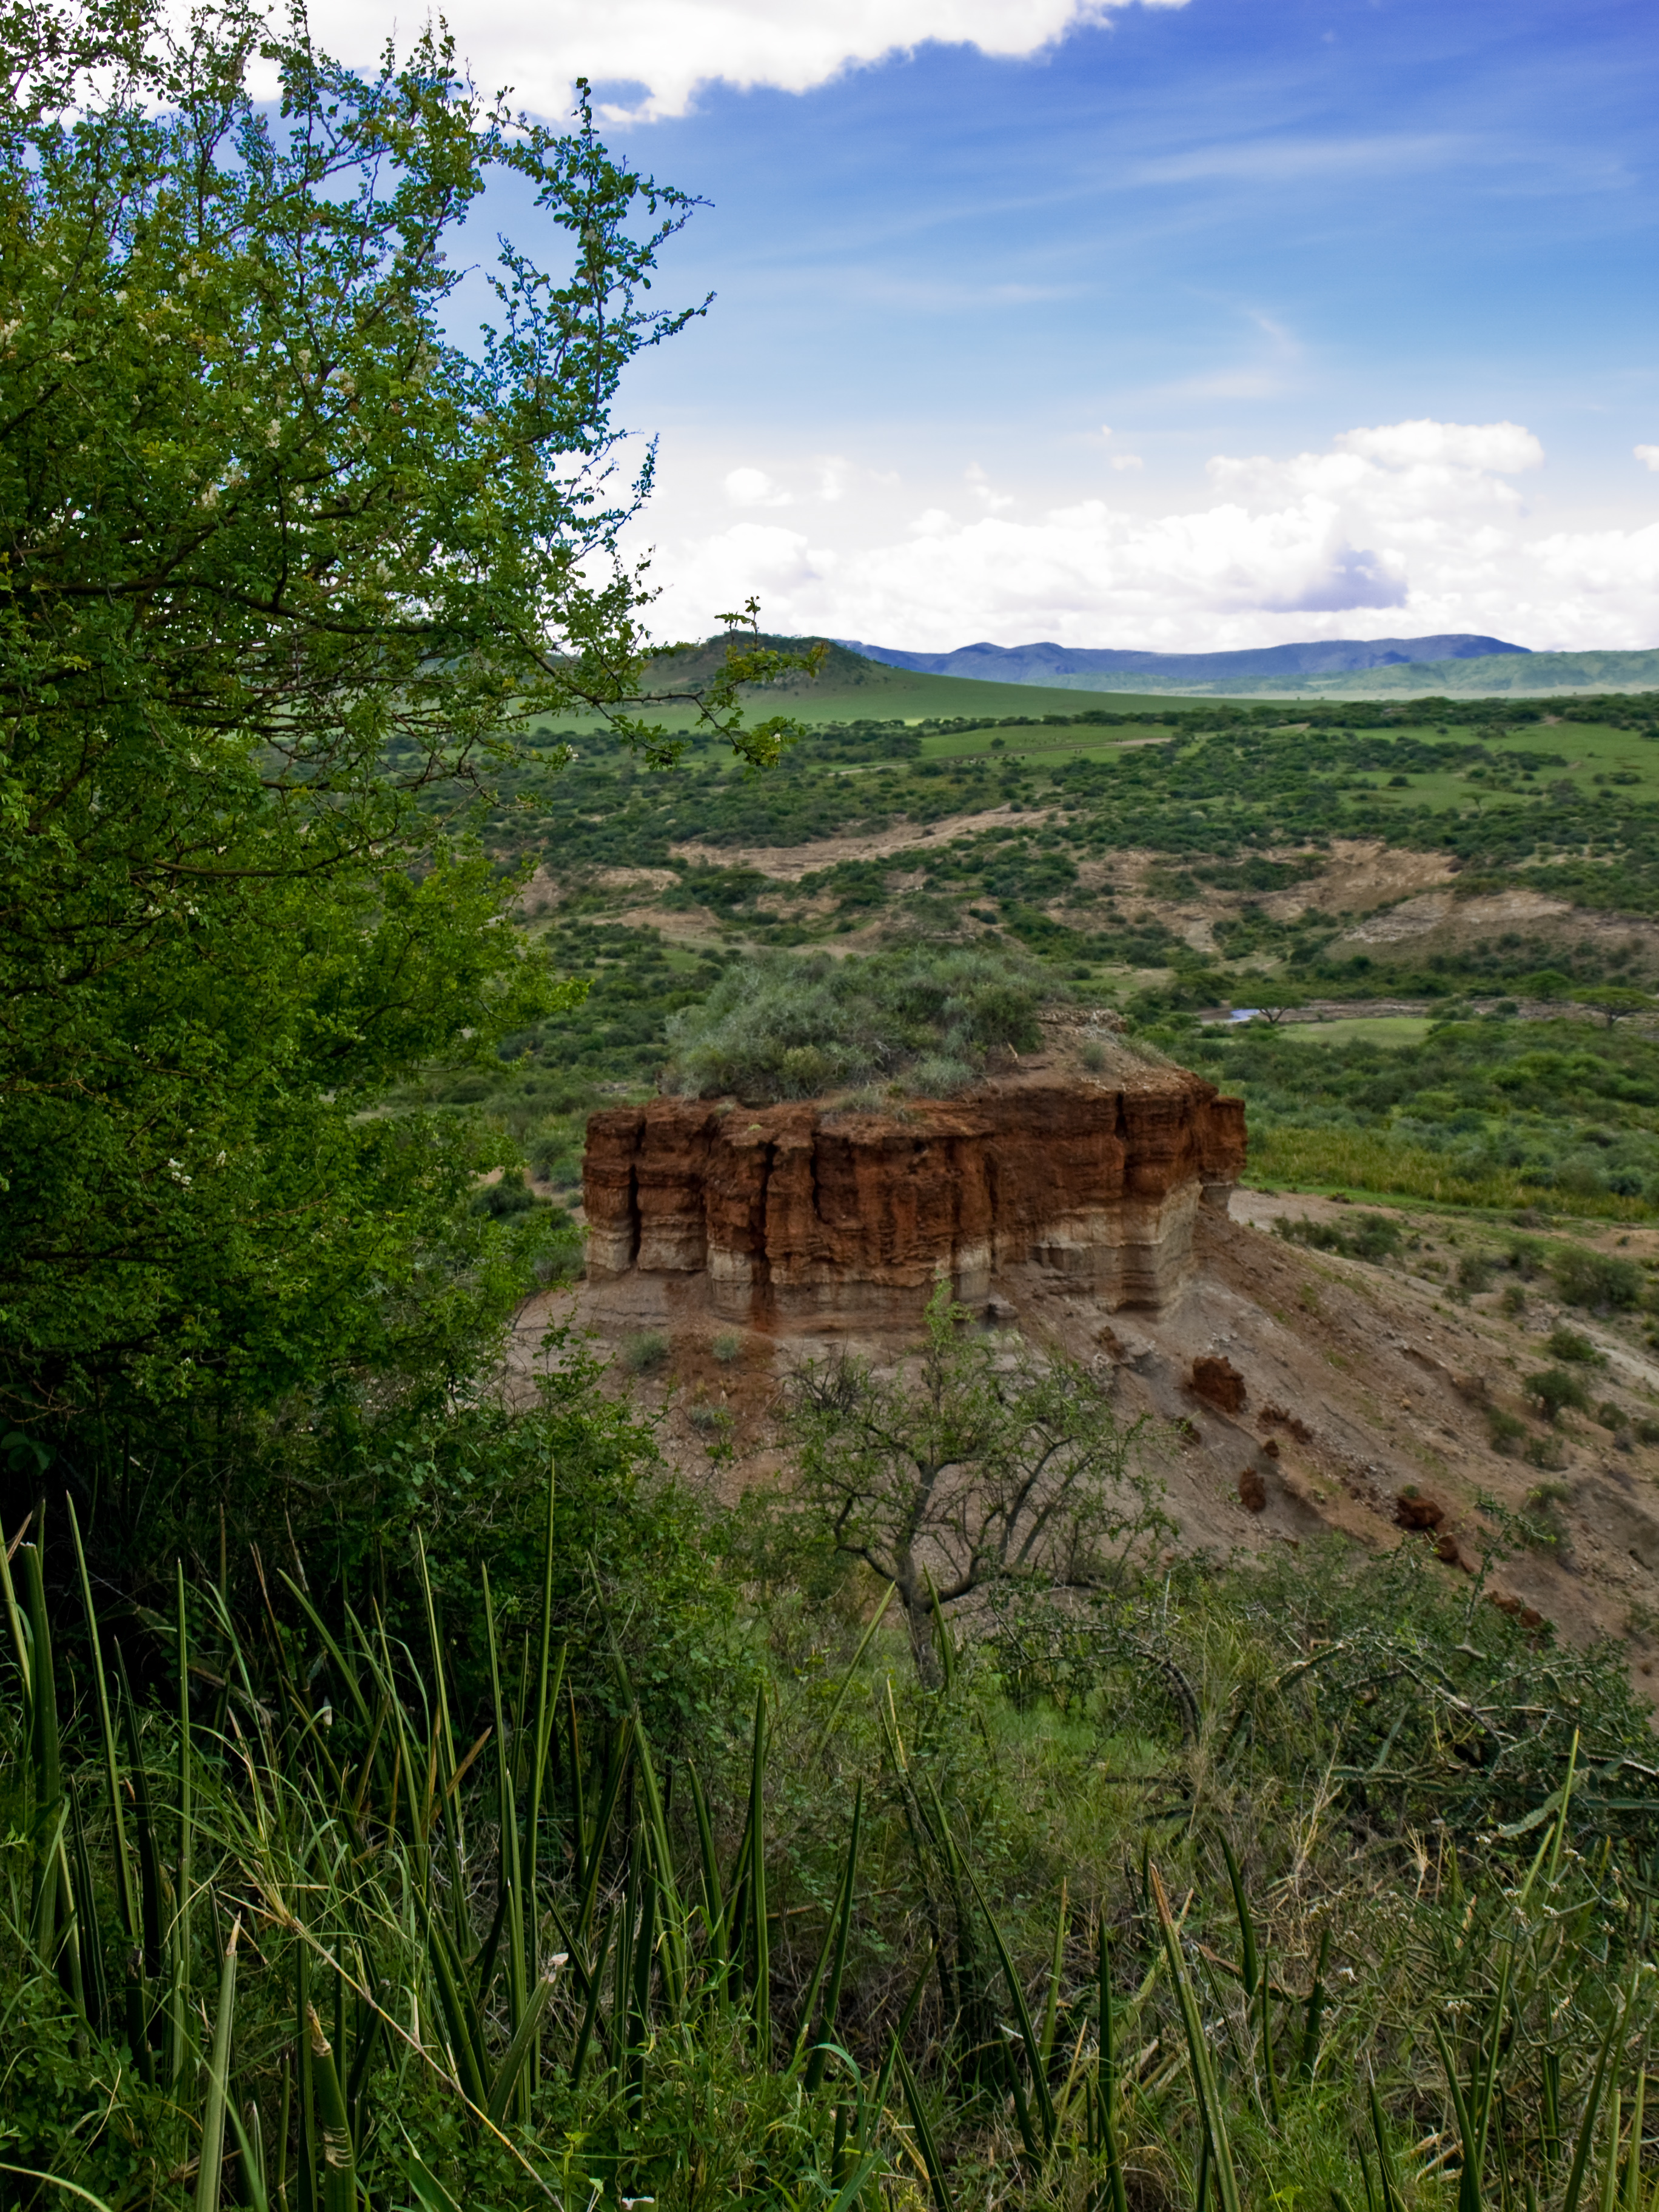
{"x": 1648, "y": 455}
{"x": 648, "y": 58}
{"x": 1412, "y": 527}
{"x": 754, "y": 487}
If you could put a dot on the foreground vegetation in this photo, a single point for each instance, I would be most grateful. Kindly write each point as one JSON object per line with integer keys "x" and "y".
{"x": 1222, "y": 1888}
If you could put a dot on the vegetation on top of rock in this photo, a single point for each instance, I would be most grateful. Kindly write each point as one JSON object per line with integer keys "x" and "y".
{"x": 925, "y": 1017}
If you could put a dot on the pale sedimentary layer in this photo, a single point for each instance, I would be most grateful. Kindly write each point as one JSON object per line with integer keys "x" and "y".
{"x": 814, "y": 1215}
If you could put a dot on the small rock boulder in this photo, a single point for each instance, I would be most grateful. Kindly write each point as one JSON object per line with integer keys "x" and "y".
{"x": 1415, "y": 1508}
{"x": 1218, "y": 1383}
{"x": 1252, "y": 1490}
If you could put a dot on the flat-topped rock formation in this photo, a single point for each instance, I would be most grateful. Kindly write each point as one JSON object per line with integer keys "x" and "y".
{"x": 817, "y": 1214}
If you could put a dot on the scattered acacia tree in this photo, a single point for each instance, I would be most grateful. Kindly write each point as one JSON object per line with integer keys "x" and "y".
{"x": 1278, "y": 1000}
{"x": 284, "y": 570}
{"x": 1617, "y": 1002}
{"x": 991, "y": 1462}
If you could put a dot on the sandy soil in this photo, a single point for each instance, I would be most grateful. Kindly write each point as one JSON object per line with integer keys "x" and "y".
{"x": 789, "y": 863}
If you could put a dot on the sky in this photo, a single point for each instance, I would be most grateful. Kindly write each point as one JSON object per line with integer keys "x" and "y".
{"x": 1189, "y": 326}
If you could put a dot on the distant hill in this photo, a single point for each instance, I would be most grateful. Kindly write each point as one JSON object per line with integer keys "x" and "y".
{"x": 1486, "y": 677}
{"x": 1085, "y": 668}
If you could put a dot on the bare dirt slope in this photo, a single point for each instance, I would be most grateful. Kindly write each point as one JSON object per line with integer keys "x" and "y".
{"x": 1365, "y": 1402}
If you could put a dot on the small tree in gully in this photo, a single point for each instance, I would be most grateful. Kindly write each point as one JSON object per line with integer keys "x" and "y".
{"x": 996, "y": 1461}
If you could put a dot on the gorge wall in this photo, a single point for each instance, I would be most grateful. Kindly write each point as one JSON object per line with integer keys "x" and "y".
{"x": 815, "y": 1215}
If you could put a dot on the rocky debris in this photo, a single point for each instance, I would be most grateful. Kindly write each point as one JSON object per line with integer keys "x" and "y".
{"x": 1252, "y": 1490}
{"x": 1277, "y": 1417}
{"x": 1218, "y": 1383}
{"x": 836, "y": 1215}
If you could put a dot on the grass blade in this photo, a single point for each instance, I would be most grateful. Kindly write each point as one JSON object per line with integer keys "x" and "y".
{"x": 826, "y": 2026}
{"x": 924, "y": 2134}
{"x": 1106, "y": 2083}
{"x": 756, "y": 1849}
{"x": 1204, "y": 2082}
{"x": 210, "y": 2170}
{"x": 1033, "y": 2054}
{"x": 1249, "y": 1963}
{"x": 1308, "y": 2058}
{"x": 512, "y": 2067}
{"x": 1587, "y": 2125}
{"x": 1051, "y": 2003}
{"x": 339, "y": 2156}
{"x": 829, "y": 1727}
{"x": 131, "y": 1919}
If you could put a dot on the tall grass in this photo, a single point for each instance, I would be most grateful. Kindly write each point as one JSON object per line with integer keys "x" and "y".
{"x": 281, "y": 1925}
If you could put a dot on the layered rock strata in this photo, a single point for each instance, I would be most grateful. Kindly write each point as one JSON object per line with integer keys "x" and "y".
{"x": 818, "y": 1216}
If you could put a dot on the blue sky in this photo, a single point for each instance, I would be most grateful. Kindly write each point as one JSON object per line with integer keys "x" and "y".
{"x": 1364, "y": 291}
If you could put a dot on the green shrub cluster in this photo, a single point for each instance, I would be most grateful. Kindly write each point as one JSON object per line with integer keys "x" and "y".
{"x": 1368, "y": 1237}
{"x": 926, "y": 1018}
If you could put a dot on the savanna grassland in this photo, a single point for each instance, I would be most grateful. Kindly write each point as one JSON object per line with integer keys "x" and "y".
{"x": 1484, "y": 874}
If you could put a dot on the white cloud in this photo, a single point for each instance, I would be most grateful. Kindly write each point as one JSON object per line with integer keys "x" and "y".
{"x": 980, "y": 484}
{"x": 1404, "y": 528}
{"x": 650, "y": 57}
{"x": 1504, "y": 447}
{"x": 1127, "y": 461}
{"x": 754, "y": 487}
{"x": 1649, "y": 455}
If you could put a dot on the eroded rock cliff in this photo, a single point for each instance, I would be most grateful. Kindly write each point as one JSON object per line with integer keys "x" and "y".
{"x": 817, "y": 1215}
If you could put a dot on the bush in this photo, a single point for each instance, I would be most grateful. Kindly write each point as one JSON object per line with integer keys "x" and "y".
{"x": 1504, "y": 1433}
{"x": 1596, "y": 1279}
{"x": 727, "y": 1347}
{"x": 1566, "y": 1344}
{"x": 645, "y": 1353}
{"x": 1554, "y": 1388}
{"x": 778, "y": 1027}
{"x": 511, "y": 1195}
{"x": 1370, "y": 1237}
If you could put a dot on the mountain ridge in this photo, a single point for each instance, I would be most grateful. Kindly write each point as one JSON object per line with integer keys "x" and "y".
{"x": 1082, "y": 667}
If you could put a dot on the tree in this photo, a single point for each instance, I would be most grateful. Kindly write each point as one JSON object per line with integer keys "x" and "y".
{"x": 284, "y": 569}
{"x": 998, "y": 1463}
{"x": 1279, "y": 1000}
{"x": 1616, "y": 1002}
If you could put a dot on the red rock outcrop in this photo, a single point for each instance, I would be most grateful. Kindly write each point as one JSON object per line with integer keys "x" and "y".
{"x": 816, "y": 1214}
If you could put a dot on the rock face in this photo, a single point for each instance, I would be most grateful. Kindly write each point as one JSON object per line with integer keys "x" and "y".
{"x": 815, "y": 1215}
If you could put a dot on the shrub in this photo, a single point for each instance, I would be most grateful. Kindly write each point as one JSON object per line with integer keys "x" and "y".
{"x": 1370, "y": 1237}
{"x": 1514, "y": 1301}
{"x": 1503, "y": 1431}
{"x": 1612, "y": 1415}
{"x": 1596, "y": 1279}
{"x": 1566, "y": 1344}
{"x": 778, "y": 1028}
{"x": 511, "y": 1195}
{"x": 727, "y": 1347}
{"x": 1475, "y": 1272}
{"x": 1554, "y": 1388}
{"x": 646, "y": 1353}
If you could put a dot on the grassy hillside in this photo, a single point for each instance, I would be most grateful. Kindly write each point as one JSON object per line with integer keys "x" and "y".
{"x": 851, "y": 689}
